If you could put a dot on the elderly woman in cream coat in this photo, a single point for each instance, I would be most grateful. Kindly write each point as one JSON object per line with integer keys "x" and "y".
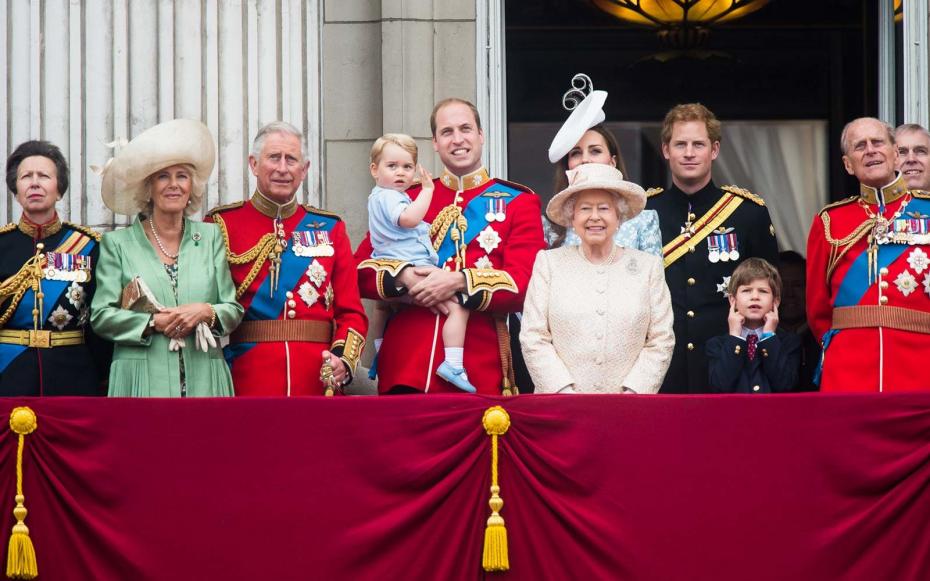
{"x": 597, "y": 317}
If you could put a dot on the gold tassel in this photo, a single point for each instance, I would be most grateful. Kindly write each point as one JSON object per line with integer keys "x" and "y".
{"x": 496, "y": 422}
{"x": 21, "y": 557}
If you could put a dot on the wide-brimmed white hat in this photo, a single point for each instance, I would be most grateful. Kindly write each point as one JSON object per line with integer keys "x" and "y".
{"x": 585, "y": 114}
{"x": 170, "y": 143}
{"x": 598, "y": 176}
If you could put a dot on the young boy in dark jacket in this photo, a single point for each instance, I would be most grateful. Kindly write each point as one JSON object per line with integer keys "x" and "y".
{"x": 755, "y": 357}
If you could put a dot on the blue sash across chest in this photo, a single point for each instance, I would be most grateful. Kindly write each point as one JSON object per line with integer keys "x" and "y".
{"x": 22, "y": 316}
{"x": 267, "y": 305}
{"x": 474, "y": 212}
{"x": 855, "y": 282}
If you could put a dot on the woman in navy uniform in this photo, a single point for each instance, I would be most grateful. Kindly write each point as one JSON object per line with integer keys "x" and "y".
{"x": 47, "y": 274}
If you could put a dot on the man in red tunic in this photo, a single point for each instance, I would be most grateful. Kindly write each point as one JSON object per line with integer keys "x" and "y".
{"x": 295, "y": 276}
{"x": 868, "y": 272}
{"x": 486, "y": 233}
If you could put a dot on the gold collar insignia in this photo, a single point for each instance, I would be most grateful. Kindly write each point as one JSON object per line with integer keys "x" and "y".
{"x": 39, "y": 231}
{"x": 273, "y": 209}
{"x": 474, "y": 179}
{"x": 887, "y": 194}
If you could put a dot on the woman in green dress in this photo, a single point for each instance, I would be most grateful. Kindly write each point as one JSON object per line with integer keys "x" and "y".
{"x": 160, "y": 177}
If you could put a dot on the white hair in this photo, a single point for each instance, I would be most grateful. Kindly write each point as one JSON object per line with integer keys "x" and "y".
{"x": 277, "y": 127}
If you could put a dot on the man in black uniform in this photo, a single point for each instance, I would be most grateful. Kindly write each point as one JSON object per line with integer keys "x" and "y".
{"x": 706, "y": 232}
{"x": 46, "y": 286}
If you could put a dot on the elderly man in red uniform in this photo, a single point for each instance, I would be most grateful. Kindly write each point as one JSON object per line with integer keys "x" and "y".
{"x": 868, "y": 272}
{"x": 486, "y": 233}
{"x": 295, "y": 276}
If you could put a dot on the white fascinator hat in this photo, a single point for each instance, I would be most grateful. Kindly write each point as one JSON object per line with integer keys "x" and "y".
{"x": 587, "y": 110}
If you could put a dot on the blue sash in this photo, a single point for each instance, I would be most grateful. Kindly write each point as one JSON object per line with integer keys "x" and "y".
{"x": 267, "y": 306}
{"x": 474, "y": 213}
{"x": 855, "y": 283}
{"x": 22, "y": 316}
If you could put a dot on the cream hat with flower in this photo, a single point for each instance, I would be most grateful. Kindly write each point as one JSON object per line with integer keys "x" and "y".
{"x": 598, "y": 176}
{"x": 180, "y": 141}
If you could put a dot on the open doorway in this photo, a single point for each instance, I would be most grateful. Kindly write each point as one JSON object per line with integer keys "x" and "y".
{"x": 784, "y": 80}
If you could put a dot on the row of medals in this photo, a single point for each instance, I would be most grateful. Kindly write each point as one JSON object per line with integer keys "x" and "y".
{"x": 78, "y": 274}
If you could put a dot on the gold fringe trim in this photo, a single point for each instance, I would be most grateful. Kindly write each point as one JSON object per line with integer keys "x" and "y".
{"x": 21, "y": 556}
{"x": 496, "y": 422}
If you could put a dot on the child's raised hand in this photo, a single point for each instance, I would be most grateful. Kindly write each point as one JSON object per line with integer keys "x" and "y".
{"x": 426, "y": 179}
{"x": 771, "y": 320}
{"x": 734, "y": 319}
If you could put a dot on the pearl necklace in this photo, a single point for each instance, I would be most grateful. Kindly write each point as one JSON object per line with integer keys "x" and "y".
{"x": 607, "y": 262}
{"x": 159, "y": 243}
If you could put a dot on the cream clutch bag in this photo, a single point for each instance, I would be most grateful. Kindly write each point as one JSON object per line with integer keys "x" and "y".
{"x": 139, "y": 298}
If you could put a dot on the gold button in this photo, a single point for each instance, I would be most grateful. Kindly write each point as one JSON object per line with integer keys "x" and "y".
{"x": 883, "y": 300}
{"x": 292, "y": 303}
{"x": 289, "y": 294}
{"x": 883, "y": 284}
{"x": 690, "y": 346}
{"x": 691, "y": 282}
{"x": 883, "y": 271}
{"x": 691, "y": 249}
{"x": 291, "y": 314}
{"x": 690, "y": 314}
{"x": 756, "y": 388}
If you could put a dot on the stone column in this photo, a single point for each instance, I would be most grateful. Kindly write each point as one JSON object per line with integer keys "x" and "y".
{"x": 385, "y": 63}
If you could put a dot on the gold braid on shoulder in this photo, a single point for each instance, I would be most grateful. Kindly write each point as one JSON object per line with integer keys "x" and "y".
{"x": 845, "y": 242}
{"x": 17, "y": 285}
{"x": 258, "y": 253}
{"x": 441, "y": 224}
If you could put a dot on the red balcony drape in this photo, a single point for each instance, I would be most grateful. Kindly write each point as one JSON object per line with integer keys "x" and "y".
{"x": 595, "y": 487}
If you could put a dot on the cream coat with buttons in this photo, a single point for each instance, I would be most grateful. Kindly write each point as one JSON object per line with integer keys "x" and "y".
{"x": 597, "y": 327}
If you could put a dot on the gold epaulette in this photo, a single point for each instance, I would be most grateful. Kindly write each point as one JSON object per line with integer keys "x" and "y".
{"x": 922, "y": 194}
{"x": 516, "y": 186}
{"x": 315, "y": 210}
{"x": 8, "y": 228}
{"x": 84, "y": 230}
{"x": 744, "y": 193}
{"x": 224, "y": 207}
{"x": 839, "y": 203}
{"x": 654, "y": 192}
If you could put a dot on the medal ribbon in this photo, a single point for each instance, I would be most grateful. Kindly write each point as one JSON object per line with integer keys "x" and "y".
{"x": 475, "y": 213}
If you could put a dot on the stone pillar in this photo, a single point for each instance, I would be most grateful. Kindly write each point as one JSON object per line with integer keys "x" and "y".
{"x": 385, "y": 63}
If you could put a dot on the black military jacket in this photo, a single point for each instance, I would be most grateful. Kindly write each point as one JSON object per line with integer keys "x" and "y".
{"x": 696, "y": 271}
{"x": 57, "y": 370}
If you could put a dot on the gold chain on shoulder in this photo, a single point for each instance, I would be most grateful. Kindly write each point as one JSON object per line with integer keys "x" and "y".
{"x": 17, "y": 285}
{"x": 258, "y": 253}
{"x": 845, "y": 242}
{"x": 441, "y": 224}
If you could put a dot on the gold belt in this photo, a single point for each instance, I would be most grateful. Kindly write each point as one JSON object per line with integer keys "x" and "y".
{"x": 41, "y": 339}
{"x": 277, "y": 331}
{"x": 899, "y": 318}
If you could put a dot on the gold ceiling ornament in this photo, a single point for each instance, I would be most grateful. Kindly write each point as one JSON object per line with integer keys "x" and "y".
{"x": 679, "y": 23}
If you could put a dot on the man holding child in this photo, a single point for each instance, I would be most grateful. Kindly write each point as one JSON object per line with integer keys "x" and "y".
{"x": 486, "y": 233}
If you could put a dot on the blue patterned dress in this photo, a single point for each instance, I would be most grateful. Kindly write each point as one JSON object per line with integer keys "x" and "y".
{"x": 641, "y": 233}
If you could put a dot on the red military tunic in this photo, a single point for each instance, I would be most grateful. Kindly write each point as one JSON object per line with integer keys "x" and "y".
{"x": 497, "y": 262}
{"x": 871, "y": 308}
{"x": 315, "y": 305}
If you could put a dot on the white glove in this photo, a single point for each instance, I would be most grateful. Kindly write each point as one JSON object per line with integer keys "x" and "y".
{"x": 175, "y": 344}
{"x": 205, "y": 338}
